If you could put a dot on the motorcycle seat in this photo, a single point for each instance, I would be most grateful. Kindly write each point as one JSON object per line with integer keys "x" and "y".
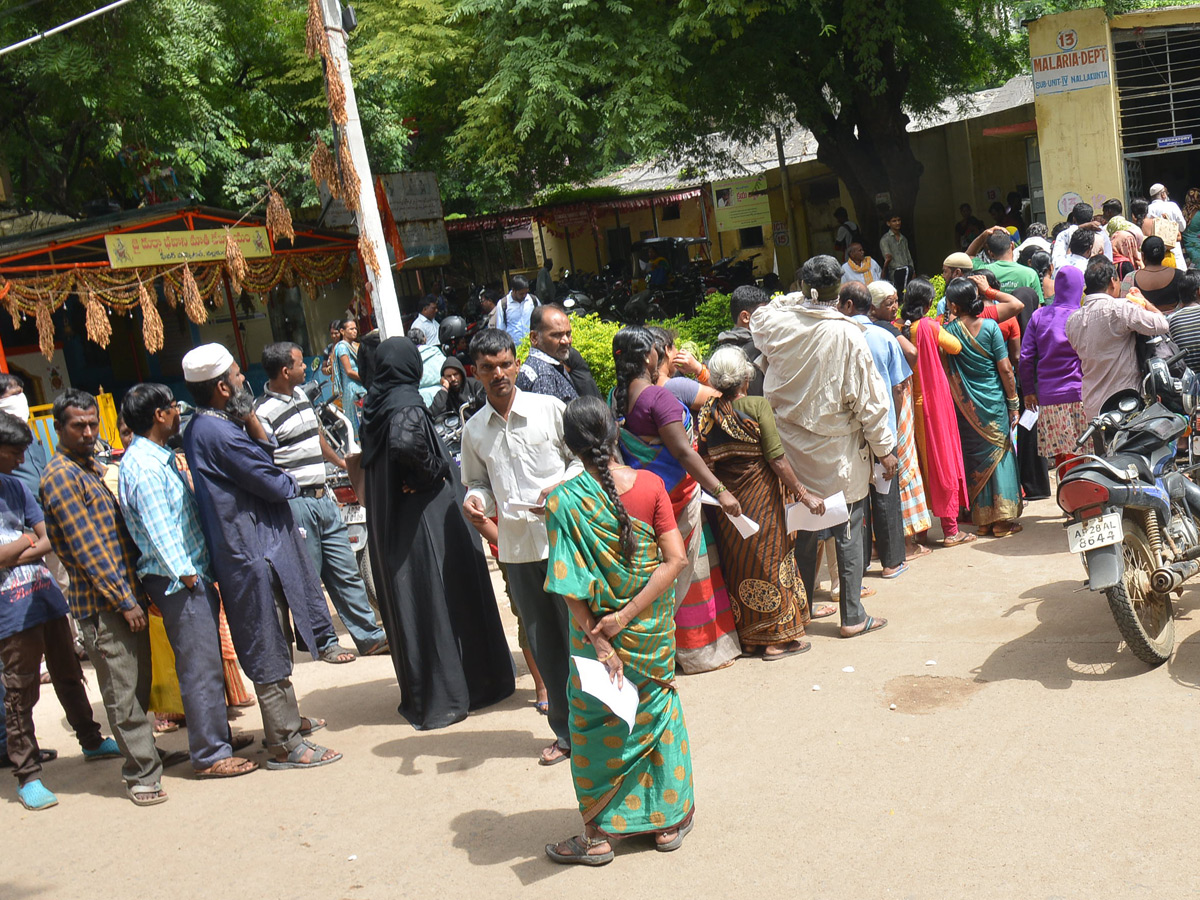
{"x": 1140, "y": 463}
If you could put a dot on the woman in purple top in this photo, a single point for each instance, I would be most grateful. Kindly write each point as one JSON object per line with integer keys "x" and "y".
{"x": 1050, "y": 370}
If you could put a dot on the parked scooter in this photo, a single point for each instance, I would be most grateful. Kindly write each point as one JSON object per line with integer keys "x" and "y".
{"x": 1133, "y": 511}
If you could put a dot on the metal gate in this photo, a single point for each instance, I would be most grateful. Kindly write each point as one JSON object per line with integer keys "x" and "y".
{"x": 1158, "y": 84}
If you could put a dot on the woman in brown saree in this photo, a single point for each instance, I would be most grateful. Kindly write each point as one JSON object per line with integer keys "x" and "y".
{"x": 739, "y": 442}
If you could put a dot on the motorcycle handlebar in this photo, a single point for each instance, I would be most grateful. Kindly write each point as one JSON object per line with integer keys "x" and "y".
{"x": 1086, "y": 436}
{"x": 1177, "y": 357}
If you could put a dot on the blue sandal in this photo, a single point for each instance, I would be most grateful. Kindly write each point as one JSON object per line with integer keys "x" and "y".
{"x": 36, "y": 795}
{"x": 108, "y": 749}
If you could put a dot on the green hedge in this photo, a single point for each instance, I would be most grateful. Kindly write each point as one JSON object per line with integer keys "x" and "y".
{"x": 593, "y": 337}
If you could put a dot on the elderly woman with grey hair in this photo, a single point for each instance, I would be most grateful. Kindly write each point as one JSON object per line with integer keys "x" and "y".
{"x": 738, "y": 440}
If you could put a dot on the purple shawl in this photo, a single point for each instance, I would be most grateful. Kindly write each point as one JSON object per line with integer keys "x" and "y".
{"x": 1049, "y": 366}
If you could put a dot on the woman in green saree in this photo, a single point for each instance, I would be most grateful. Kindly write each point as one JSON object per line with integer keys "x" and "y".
{"x": 615, "y": 552}
{"x": 985, "y": 397}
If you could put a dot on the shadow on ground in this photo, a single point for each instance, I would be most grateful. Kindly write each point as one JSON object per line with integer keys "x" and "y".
{"x": 1075, "y": 640}
{"x": 459, "y": 750}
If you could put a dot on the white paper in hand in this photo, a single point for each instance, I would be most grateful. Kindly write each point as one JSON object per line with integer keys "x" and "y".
{"x": 1028, "y": 419}
{"x": 800, "y": 519}
{"x": 707, "y": 499}
{"x": 881, "y": 484}
{"x": 746, "y": 526}
{"x": 595, "y": 680}
{"x": 512, "y": 507}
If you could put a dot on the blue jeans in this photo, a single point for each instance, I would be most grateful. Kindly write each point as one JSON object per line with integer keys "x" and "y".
{"x": 328, "y": 546}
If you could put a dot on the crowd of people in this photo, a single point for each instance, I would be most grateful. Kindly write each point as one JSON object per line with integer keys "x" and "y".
{"x": 676, "y": 525}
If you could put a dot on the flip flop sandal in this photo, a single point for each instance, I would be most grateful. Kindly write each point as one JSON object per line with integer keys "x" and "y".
{"x": 900, "y": 571}
{"x": 44, "y": 756}
{"x": 564, "y": 755}
{"x": 873, "y": 624}
{"x": 1016, "y": 528}
{"x": 804, "y": 647}
{"x": 829, "y": 611}
{"x": 676, "y": 842}
{"x": 331, "y": 654}
{"x": 380, "y": 649}
{"x": 173, "y": 758}
{"x": 295, "y": 758}
{"x": 313, "y": 725}
{"x": 228, "y": 767}
{"x": 578, "y": 855}
{"x": 543, "y": 707}
{"x": 146, "y": 794}
{"x": 963, "y": 537}
{"x": 921, "y": 551}
{"x": 241, "y": 741}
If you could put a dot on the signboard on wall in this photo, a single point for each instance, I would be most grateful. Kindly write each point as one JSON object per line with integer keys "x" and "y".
{"x": 1071, "y": 70}
{"x": 160, "y": 248}
{"x": 416, "y": 205}
{"x": 741, "y": 202}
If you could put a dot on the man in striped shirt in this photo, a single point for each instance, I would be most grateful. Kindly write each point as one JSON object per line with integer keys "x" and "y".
{"x": 286, "y": 414}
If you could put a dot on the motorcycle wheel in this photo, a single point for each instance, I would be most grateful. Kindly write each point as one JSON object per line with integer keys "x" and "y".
{"x": 1145, "y": 619}
{"x": 368, "y": 577}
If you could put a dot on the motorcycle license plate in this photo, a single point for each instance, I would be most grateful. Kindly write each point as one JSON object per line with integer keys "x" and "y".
{"x": 1093, "y": 533}
{"x": 354, "y": 515}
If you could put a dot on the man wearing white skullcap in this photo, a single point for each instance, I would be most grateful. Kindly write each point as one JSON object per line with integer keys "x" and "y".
{"x": 257, "y": 554}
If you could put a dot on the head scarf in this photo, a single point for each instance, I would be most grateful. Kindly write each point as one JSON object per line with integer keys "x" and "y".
{"x": 1125, "y": 244}
{"x": 397, "y": 371}
{"x": 1118, "y": 223}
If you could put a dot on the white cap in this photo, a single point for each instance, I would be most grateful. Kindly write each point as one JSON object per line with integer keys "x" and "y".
{"x": 1156, "y": 189}
{"x": 206, "y": 362}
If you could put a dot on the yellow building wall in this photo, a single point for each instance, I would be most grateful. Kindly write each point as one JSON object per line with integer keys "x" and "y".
{"x": 1079, "y": 131}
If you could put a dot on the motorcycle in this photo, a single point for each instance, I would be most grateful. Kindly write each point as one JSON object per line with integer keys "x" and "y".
{"x": 449, "y": 427}
{"x": 1133, "y": 512}
{"x": 339, "y": 434}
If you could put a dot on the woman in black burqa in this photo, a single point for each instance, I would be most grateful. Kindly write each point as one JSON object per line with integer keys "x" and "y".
{"x": 435, "y": 594}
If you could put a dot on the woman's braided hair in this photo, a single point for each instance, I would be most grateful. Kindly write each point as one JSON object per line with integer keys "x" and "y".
{"x": 591, "y": 434}
{"x": 631, "y": 346}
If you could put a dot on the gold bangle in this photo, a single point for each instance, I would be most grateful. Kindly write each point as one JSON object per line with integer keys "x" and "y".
{"x": 611, "y": 653}
{"x": 617, "y": 618}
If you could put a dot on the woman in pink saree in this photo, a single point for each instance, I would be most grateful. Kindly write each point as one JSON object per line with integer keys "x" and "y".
{"x": 939, "y": 447}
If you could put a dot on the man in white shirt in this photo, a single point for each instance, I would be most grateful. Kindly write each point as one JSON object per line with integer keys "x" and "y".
{"x": 512, "y": 315}
{"x": 860, "y": 267}
{"x": 426, "y": 320}
{"x": 513, "y": 455}
{"x": 1080, "y": 217}
{"x": 831, "y": 410}
{"x": 1163, "y": 207}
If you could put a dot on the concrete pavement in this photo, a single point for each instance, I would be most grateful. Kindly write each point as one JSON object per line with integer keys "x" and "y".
{"x": 1037, "y": 758}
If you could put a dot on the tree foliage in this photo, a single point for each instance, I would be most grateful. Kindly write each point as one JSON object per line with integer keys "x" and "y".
{"x": 169, "y": 98}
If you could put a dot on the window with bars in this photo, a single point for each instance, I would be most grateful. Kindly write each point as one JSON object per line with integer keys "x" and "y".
{"x": 1158, "y": 84}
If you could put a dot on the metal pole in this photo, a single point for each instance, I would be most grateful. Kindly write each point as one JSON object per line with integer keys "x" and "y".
{"x": 786, "y": 184}
{"x": 237, "y": 331}
{"x": 45, "y": 34}
{"x": 387, "y": 307}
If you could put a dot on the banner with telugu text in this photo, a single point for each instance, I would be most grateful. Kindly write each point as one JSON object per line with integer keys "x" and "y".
{"x": 161, "y": 248}
{"x": 741, "y": 202}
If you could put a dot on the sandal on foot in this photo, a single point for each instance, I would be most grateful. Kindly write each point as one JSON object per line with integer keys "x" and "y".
{"x": 228, "y": 767}
{"x": 793, "y": 649}
{"x": 44, "y": 756}
{"x": 543, "y": 707}
{"x": 108, "y": 749}
{"x": 295, "y": 758}
{"x": 900, "y": 570}
{"x": 241, "y": 741}
{"x": 917, "y": 552}
{"x": 1008, "y": 530}
{"x": 873, "y": 624}
{"x": 963, "y": 537}
{"x": 676, "y": 842}
{"x": 337, "y": 655}
{"x": 307, "y": 727}
{"x": 380, "y": 649}
{"x": 984, "y": 530}
{"x": 556, "y": 755}
{"x": 576, "y": 852}
{"x": 35, "y": 795}
{"x": 173, "y": 757}
{"x": 824, "y": 612}
{"x": 146, "y": 794}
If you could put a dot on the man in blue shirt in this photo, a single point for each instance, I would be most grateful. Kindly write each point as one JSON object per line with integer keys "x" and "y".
{"x": 512, "y": 315}
{"x": 163, "y": 519}
{"x": 883, "y": 516}
{"x": 33, "y": 622}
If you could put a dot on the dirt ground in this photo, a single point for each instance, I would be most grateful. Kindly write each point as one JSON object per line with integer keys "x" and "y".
{"x": 1029, "y": 755}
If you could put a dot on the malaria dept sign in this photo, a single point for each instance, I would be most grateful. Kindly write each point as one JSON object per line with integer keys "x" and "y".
{"x": 1072, "y": 69}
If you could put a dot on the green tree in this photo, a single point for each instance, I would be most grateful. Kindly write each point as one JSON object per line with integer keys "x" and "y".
{"x": 170, "y": 98}
{"x": 596, "y": 82}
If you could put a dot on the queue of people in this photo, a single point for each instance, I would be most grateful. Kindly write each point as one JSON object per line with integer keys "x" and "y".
{"x": 619, "y": 522}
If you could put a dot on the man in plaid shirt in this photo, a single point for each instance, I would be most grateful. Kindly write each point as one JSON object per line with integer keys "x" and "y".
{"x": 86, "y": 530}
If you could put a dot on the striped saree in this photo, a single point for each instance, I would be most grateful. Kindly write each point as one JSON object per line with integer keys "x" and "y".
{"x": 627, "y": 781}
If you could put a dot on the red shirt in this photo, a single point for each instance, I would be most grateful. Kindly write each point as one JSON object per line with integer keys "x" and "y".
{"x": 648, "y": 502}
{"x": 1010, "y": 328}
